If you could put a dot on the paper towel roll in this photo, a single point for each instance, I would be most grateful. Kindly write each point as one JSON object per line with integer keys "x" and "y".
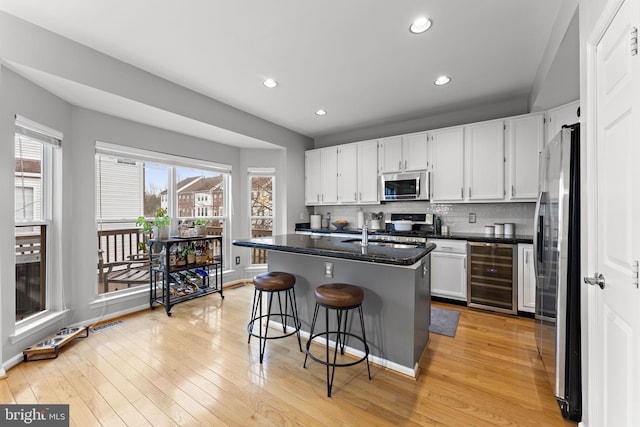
{"x": 360, "y": 219}
{"x": 316, "y": 221}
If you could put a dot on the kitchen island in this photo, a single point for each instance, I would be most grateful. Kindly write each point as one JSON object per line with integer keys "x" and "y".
{"x": 394, "y": 277}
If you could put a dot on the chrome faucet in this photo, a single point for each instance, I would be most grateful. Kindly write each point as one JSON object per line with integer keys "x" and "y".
{"x": 365, "y": 235}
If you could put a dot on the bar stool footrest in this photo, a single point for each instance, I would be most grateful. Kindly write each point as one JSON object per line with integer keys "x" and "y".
{"x": 342, "y": 334}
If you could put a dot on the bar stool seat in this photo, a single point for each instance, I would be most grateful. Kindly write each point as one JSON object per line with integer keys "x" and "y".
{"x": 341, "y": 297}
{"x": 274, "y": 282}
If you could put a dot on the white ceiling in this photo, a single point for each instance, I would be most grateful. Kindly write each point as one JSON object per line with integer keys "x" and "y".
{"x": 354, "y": 58}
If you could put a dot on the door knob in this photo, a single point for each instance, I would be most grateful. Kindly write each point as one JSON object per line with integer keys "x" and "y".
{"x": 597, "y": 280}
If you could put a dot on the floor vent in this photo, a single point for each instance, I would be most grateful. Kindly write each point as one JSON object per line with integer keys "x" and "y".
{"x": 106, "y": 325}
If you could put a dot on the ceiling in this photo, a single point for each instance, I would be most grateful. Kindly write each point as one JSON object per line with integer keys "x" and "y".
{"x": 356, "y": 59}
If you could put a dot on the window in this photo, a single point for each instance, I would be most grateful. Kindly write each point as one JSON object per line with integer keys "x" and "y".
{"x": 132, "y": 183}
{"x": 261, "y": 203}
{"x": 33, "y": 147}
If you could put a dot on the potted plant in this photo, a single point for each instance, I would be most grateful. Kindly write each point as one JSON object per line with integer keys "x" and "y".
{"x": 200, "y": 225}
{"x": 159, "y": 224}
{"x": 189, "y": 254}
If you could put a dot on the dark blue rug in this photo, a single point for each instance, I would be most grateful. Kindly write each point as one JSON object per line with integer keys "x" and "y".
{"x": 444, "y": 322}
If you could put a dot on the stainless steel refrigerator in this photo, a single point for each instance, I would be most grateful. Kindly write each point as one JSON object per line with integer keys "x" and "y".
{"x": 557, "y": 251}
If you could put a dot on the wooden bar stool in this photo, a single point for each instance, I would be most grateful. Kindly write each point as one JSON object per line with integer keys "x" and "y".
{"x": 341, "y": 297}
{"x": 274, "y": 282}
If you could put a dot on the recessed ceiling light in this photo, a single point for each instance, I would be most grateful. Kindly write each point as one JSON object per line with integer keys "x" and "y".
{"x": 270, "y": 83}
{"x": 420, "y": 25}
{"x": 442, "y": 80}
{"x": 321, "y": 112}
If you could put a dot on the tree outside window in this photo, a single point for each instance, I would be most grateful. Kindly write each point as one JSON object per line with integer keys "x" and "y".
{"x": 261, "y": 202}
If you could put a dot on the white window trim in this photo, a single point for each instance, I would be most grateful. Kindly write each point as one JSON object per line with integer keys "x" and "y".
{"x": 173, "y": 161}
{"x": 50, "y": 139}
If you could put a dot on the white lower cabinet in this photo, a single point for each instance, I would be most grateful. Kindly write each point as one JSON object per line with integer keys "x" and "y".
{"x": 526, "y": 279}
{"x": 449, "y": 269}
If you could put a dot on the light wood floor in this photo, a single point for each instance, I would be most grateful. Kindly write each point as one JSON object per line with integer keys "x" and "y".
{"x": 195, "y": 368}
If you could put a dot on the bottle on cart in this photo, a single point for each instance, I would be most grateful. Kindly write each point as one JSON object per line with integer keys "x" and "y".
{"x": 163, "y": 256}
{"x": 438, "y": 226}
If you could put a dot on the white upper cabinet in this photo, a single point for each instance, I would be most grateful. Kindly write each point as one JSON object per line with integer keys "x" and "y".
{"x": 313, "y": 178}
{"x": 415, "y": 151}
{"x": 447, "y": 165}
{"x": 563, "y": 115}
{"x": 348, "y": 173}
{"x": 390, "y": 154}
{"x": 368, "y": 172}
{"x": 329, "y": 176}
{"x": 525, "y": 141}
{"x": 403, "y": 153}
{"x": 484, "y": 146}
{"x": 321, "y": 176}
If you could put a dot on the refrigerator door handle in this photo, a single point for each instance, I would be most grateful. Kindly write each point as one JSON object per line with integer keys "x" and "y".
{"x": 537, "y": 239}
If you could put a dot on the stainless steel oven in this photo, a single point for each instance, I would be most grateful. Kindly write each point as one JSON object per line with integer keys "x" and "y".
{"x": 404, "y": 186}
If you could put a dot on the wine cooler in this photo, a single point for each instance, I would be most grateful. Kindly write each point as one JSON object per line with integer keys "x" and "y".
{"x": 492, "y": 278}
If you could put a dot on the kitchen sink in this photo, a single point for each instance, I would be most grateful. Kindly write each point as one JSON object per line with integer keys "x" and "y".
{"x": 394, "y": 245}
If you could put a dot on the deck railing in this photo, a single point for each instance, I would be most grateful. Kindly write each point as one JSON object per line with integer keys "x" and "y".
{"x": 31, "y": 267}
{"x": 259, "y": 256}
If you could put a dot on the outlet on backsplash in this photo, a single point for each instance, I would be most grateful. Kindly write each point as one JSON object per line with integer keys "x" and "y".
{"x": 472, "y": 218}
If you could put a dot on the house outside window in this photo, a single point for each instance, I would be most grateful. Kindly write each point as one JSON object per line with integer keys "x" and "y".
{"x": 34, "y": 148}
{"x": 261, "y": 209}
{"x": 152, "y": 181}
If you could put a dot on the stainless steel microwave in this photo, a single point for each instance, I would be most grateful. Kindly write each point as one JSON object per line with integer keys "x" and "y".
{"x": 404, "y": 186}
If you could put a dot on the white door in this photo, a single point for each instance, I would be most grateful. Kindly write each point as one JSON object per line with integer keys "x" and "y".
{"x": 484, "y": 148}
{"x": 390, "y": 156}
{"x": 616, "y": 202}
{"x": 415, "y": 152}
{"x": 313, "y": 177}
{"x": 368, "y": 172}
{"x": 329, "y": 180}
{"x": 564, "y": 115}
{"x": 348, "y": 173}
{"x": 447, "y": 162}
{"x": 526, "y": 138}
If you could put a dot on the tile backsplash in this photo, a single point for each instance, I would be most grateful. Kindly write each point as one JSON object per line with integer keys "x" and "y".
{"x": 456, "y": 216}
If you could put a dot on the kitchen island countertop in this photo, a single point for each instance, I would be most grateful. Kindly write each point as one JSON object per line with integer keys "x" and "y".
{"x": 340, "y": 247}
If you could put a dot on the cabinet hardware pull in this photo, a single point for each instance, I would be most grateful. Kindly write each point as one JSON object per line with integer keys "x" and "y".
{"x": 355, "y": 196}
{"x": 405, "y": 164}
{"x": 462, "y": 192}
{"x": 400, "y": 165}
{"x": 512, "y": 191}
{"x": 469, "y": 192}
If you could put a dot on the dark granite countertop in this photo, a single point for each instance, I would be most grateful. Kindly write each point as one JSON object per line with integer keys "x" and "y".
{"x": 473, "y": 237}
{"x": 339, "y": 247}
